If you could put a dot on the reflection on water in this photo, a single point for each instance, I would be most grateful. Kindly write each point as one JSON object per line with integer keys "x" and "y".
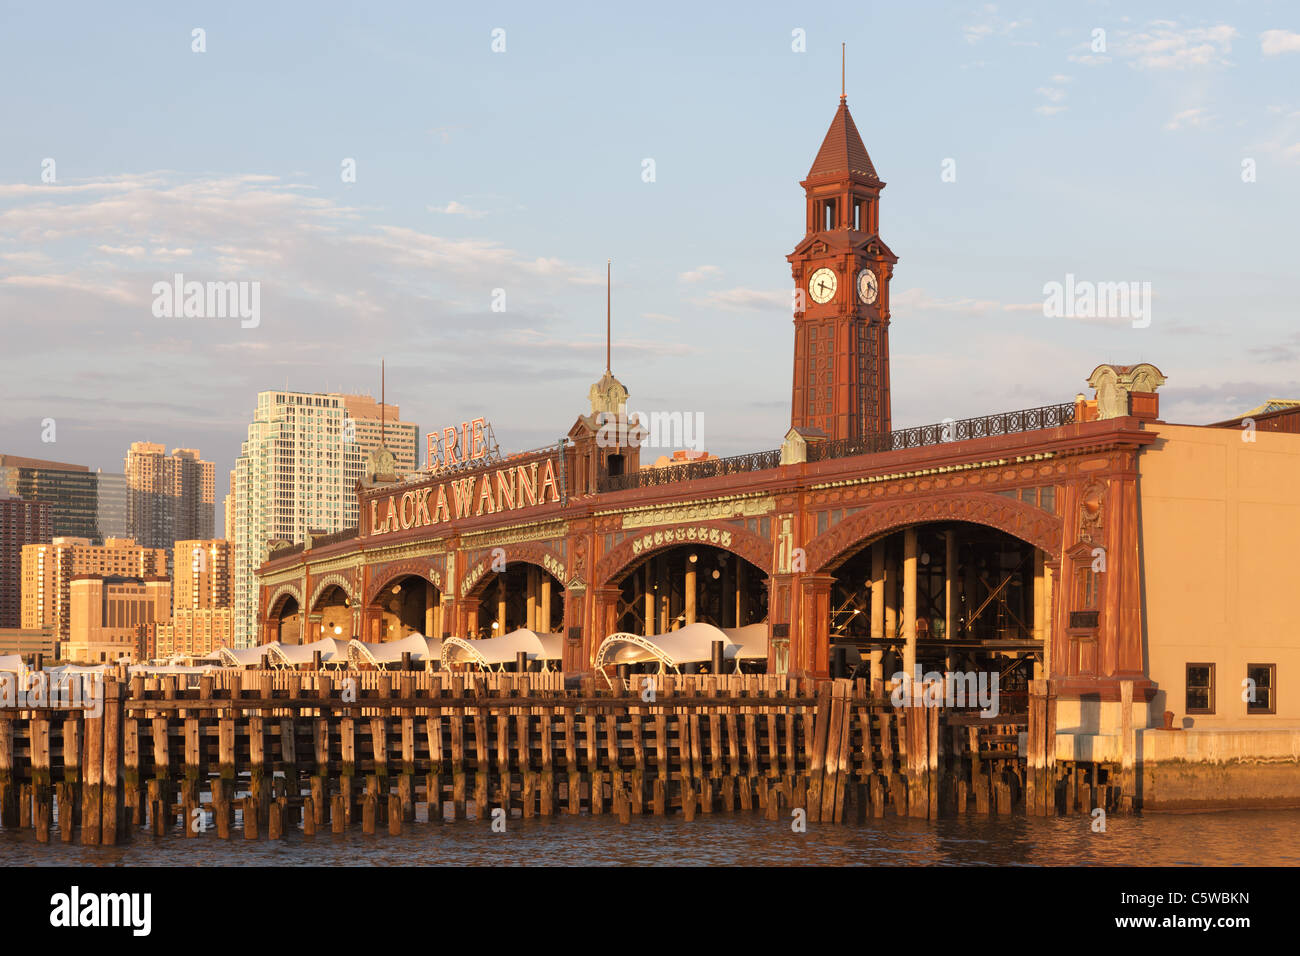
{"x": 1246, "y": 838}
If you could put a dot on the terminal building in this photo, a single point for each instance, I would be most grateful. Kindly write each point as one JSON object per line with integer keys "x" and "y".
{"x": 1087, "y": 540}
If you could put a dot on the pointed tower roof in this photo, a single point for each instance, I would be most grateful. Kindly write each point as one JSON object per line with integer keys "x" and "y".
{"x": 842, "y": 151}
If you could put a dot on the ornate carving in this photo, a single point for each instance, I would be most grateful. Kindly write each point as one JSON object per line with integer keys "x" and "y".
{"x": 383, "y": 575}
{"x": 716, "y": 510}
{"x": 1023, "y": 521}
{"x": 1091, "y": 502}
{"x": 333, "y": 580}
{"x": 754, "y": 549}
{"x": 280, "y": 593}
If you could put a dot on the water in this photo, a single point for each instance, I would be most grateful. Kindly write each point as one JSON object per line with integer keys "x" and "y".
{"x": 1243, "y": 838}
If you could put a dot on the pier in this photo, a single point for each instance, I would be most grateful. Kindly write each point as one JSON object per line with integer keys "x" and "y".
{"x": 266, "y": 751}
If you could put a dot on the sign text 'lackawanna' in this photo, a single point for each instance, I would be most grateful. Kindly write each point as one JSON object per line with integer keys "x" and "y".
{"x": 502, "y": 489}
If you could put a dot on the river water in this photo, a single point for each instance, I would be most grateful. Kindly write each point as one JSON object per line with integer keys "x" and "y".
{"x": 1242, "y": 838}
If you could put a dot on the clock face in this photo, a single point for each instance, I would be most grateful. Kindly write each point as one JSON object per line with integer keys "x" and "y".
{"x": 822, "y": 285}
{"x": 868, "y": 286}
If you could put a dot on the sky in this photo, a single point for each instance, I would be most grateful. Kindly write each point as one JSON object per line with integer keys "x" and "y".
{"x": 501, "y": 155}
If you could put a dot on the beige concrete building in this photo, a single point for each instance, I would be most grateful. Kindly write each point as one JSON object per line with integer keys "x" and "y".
{"x": 109, "y": 617}
{"x": 48, "y": 571}
{"x": 1220, "y": 514}
{"x": 28, "y": 641}
{"x": 169, "y": 497}
{"x": 372, "y": 423}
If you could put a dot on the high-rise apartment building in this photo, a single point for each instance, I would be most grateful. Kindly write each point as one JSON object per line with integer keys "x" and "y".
{"x": 169, "y": 497}
{"x": 84, "y": 504}
{"x": 21, "y": 523}
{"x": 48, "y": 571}
{"x": 297, "y": 472}
{"x": 202, "y": 575}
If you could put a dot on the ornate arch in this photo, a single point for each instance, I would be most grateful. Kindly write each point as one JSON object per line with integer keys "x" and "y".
{"x": 279, "y": 594}
{"x": 537, "y": 553}
{"x": 1026, "y": 522}
{"x": 333, "y": 580}
{"x": 718, "y": 534}
{"x": 384, "y": 574}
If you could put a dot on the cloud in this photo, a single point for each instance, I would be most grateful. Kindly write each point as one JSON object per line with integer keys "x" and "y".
{"x": 1275, "y": 42}
{"x": 742, "y": 300}
{"x": 991, "y": 24}
{"x": 454, "y": 208}
{"x": 1190, "y": 119}
{"x": 700, "y": 273}
{"x": 1165, "y": 46}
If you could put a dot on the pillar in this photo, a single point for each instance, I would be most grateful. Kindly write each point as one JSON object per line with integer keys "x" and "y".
{"x": 501, "y": 605}
{"x": 949, "y": 588}
{"x": 742, "y": 594}
{"x": 663, "y": 604}
{"x": 438, "y": 618}
{"x": 544, "y": 612}
{"x": 429, "y": 613}
{"x": 648, "y": 589}
{"x": 530, "y": 601}
{"x": 877, "y": 608}
{"x": 1040, "y": 608}
{"x": 728, "y": 601}
{"x": 891, "y": 594}
{"x": 689, "y": 590}
{"x": 970, "y": 590}
{"x": 909, "y": 600}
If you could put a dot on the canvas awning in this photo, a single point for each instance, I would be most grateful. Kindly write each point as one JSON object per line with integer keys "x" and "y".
{"x": 496, "y": 651}
{"x": 692, "y": 644}
{"x": 421, "y": 649}
{"x": 332, "y": 649}
{"x": 12, "y": 663}
{"x": 245, "y": 656}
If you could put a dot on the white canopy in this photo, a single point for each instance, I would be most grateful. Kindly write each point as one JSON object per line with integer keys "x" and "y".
{"x": 692, "y": 644}
{"x": 245, "y": 656}
{"x": 12, "y": 663}
{"x": 291, "y": 655}
{"x": 169, "y": 669}
{"x": 495, "y": 651}
{"x": 420, "y": 648}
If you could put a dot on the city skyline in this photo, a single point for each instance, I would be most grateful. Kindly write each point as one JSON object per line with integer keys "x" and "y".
{"x": 402, "y": 263}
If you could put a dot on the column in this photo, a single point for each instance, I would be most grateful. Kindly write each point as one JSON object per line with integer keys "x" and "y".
{"x": 949, "y": 588}
{"x": 909, "y": 600}
{"x": 530, "y": 602}
{"x": 742, "y": 594}
{"x": 438, "y": 627}
{"x": 501, "y": 605}
{"x": 429, "y": 613}
{"x": 664, "y": 602}
{"x": 689, "y": 590}
{"x": 877, "y": 608}
{"x": 648, "y": 590}
{"x": 1040, "y": 608}
{"x": 891, "y": 593}
{"x": 728, "y": 600}
{"x": 544, "y": 612}
{"x": 812, "y": 653}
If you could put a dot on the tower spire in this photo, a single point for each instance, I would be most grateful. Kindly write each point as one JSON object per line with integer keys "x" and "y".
{"x": 382, "y": 409}
{"x": 609, "y": 274}
{"x": 843, "y": 97}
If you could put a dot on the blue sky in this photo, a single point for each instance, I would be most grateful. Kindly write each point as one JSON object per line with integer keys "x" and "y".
{"x": 522, "y": 170}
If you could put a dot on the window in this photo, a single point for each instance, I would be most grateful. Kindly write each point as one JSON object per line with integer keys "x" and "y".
{"x": 1086, "y": 582}
{"x": 828, "y": 214}
{"x": 1263, "y": 678}
{"x": 1200, "y": 688}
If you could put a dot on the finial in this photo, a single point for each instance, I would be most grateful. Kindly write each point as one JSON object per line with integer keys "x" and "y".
{"x": 843, "y": 98}
{"x": 609, "y": 273}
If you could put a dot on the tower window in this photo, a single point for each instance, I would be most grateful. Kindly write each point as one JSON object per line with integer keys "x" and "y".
{"x": 857, "y": 216}
{"x": 828, "y": 214}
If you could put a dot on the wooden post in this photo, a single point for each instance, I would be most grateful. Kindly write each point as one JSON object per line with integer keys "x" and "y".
{"x": 8, "y": 777}
{"x": 92, "y": 807}
{"x": 817, "y": 758}
{"x": 406, "y": 783}
{"x": 42, "y": 812}
{"x": 111, "y": 774}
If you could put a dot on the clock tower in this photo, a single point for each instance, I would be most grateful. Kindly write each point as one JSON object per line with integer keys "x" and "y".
{"x": 841, "y": 274}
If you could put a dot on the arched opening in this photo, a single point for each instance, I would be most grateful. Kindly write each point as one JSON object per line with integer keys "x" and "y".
{"x": 688, "y": 584}
{"x": 522, "y": 596}
{"x": 332, "y": 614}
{"x": 405, "y": 605}
{"x": 979, "y": 597}
{"x": 284, "y": 621}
